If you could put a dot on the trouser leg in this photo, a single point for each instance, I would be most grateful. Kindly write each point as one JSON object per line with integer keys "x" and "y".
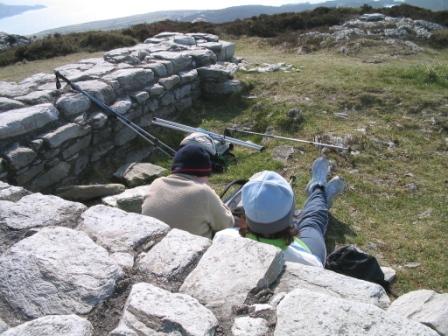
{"x": 313, "y": 222}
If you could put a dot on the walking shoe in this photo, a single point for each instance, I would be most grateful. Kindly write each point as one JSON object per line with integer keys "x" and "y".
{"x": 319, "y": 172}
{"x": 333, "y": 188}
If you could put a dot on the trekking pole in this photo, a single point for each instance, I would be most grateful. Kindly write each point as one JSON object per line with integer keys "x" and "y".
{"x": 188, "y": 129}
{"x": 289, "y": 139}
{"x": 163, "y": 147}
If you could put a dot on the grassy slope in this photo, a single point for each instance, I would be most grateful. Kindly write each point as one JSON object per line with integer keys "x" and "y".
{"x": 394, "y": 101}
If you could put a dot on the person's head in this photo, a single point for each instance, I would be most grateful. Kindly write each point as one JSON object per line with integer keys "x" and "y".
{"x": 192, "y": 160}
{"x": 269, "y": 203}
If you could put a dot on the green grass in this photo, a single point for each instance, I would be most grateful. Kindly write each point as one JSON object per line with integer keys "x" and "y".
{"x": 394, "y": 101}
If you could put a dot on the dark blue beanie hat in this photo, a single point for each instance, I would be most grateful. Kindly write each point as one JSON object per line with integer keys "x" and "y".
{"x": 192, "y": 160}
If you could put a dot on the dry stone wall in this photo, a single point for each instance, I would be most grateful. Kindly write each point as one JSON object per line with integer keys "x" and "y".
{"x": 100, "y": 271}
{"x": 50, "y": 137}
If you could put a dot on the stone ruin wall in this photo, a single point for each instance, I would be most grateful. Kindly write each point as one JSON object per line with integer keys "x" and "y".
{"x": 51, "y": 137}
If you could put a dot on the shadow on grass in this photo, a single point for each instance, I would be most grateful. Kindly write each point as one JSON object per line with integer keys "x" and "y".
{"x": 337, "y": 233}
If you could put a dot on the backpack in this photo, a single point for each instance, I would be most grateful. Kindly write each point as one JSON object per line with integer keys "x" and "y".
{"x": 351, "y": 261}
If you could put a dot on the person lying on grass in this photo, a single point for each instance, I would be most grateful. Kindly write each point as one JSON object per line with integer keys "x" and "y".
{"x": 269, "y": 203}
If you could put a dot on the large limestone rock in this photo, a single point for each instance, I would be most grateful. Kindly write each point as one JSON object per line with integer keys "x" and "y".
{"x": 328, "y": 282}
{"x": 56, "y": 271}
{"x": 65, "y": 133}
{"x": 130, "y": 200}
{"x": 89, "y": 192}
{"x": 25, "y": 120}
{"x": 172, "y": 258}
{"x": 119, "y": 231}
{"x": 150, "y": 310}
{"x": 99, "y": 90}
{"x": 11, "y": 193}
{"x": 424, "y": 306}
{"x": 317, "y": 314}
{"x": 135, "y": 174}
{"x": 37, "y": 210}
{"x": 73, "y": 104}
{"x": 19, "y": 156}
{"x": 53, "y": 325}
{"x": 230, "y": 269}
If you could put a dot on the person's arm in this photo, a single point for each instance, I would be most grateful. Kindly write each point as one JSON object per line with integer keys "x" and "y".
{"x": 220, "y": 215}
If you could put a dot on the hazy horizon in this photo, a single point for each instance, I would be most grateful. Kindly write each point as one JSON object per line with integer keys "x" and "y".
{"x": 59, "y": 13}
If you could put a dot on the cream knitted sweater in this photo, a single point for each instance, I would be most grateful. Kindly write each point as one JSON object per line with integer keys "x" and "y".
{"x": 182, "y": 202}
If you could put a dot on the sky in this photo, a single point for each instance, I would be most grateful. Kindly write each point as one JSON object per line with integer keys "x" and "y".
{"x": 67, "y": 12}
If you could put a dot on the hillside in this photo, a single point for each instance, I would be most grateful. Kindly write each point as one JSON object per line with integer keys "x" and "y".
{"x": 235, "y": 13}
{"x": 11, "y": 10}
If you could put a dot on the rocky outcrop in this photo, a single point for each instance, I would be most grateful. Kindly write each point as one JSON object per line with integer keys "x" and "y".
{"x": 60, "y": 325}
{"x": 392, "y": 30}
{"x": 51, "y": 137}
{"x": 80, "y": 260}
{"x": 12, "y": 40}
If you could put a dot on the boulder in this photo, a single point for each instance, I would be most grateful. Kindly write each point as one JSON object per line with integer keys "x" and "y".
{"x": 11, "y": 193}
{"x": 248, "y": 326}
{"x": 119, "y": 231}
{"x": 99, "y": 90}
{"x": 188, "y": 76}
{"x": 150, "y": 310}
{"x": 26, "y": 120}
{"x": 227, "y": 51}
{"x": 7, "y": 104}
{"x": 130, "y": 200}
{"x": 156, "y": 90}
{"x": 131, "y": 79}
{"x": 201, "y": 56}
{"x": 172, "y": 258}
{"x": 19, "y": 156}
{"x": 73, "y": 104}
{"x": 180, "y": 61}
{"x": 135, "y": 174}
{"x": 424, "y": 306}
{"x": 89, "y": 192}
{"x": 37, "y": 210}
{"x": 230, "y": 269}
{"x": 328, "y": 282}
{"x": 184, "y": 39}
{"x": 319, "y": 314}
{"x": 65, "y": 133}
{"x": 56, "y": 271}
{"x": 53, "y": 325}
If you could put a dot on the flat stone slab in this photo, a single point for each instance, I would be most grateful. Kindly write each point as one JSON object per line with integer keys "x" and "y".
{"x": 230, "y": 269}
{"x": 25, "y": 120}
{"x": 7, "y": 104}
{"x": 119, "y": 231}
{"x": 131, "y": 79}
{"x": 135, "y": 174}
{"x": 53, "y": 325}
{"x": 37, "y": 210}
{"x": 150, "y": 310}
{"x": 424, "y": 306}
{"x": 130, "y": 200}
{"x": 173, "y": 257}
{"x": 89, "y": 192}
{"x": 56, "y": 271}
{"x": 65, "y": 133}
{"x": 314, "y": 313}
{"x": 330, "y": 283}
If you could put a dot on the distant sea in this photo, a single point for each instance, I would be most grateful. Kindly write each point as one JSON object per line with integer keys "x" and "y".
{"x": 59, "y": 15}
